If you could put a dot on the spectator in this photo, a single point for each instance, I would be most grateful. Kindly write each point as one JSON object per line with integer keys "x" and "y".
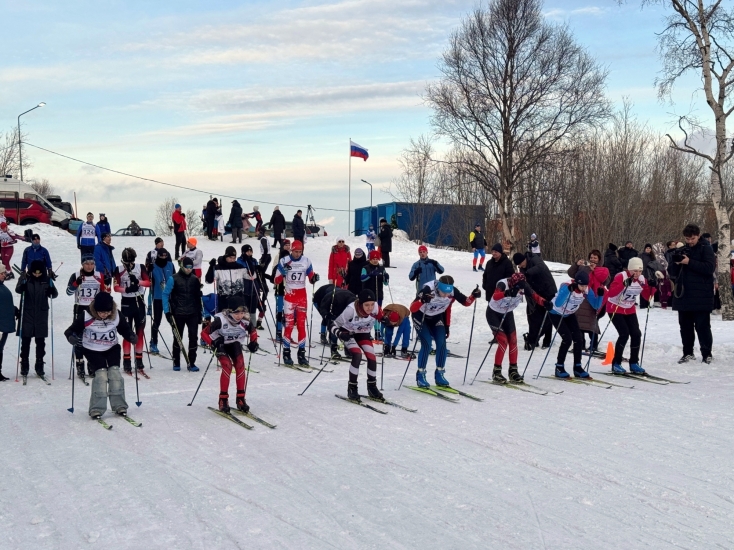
{"x": 627, "y": 253}
{"x": 534, "y": 245}
{"x": 369, "y": 238}
{"x": 8, "y": 311}
{"x": 36, "y": 252}
{"x": 650, "y": 265}
{"x": 425, "y": 269}
{"x": 612, "y": 261}
{"x": 693, "y": 294}
{"x": 235, "y": 221}
{"x": 134, "y": 229}
{"x": 299, "y": 228}
{"x": 498, "y": 268}
{"x": 670, "y": 248}
{"x": 36, "y": 289}
{"x": 385, "y": 242}
{"x": 103, "y": 224}
{"x": 540, "y": 279}
{"x": 338, "y": 262}
{"x": 104, "y": 261}
{"x": 211, "y": 214}
{"x": 277, "y": 223}
{"x": 354, "y": 271}
{"x": 478, "y": 244}
{"x": 179, "y": 230}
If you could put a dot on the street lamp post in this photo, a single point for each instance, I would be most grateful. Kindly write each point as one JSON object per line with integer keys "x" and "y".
{"x": 368, "y": 183}
{"x": 20, "y": 146}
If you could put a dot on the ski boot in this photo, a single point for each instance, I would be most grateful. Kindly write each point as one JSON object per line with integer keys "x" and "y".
{"x": 514, "y": 376}
{"x": 139, "y": 364}
{"x": 353, "y": 392}
{"x": 388, "y": 350}
{"x": 80, "y": 369}
{"x": 224, "y": 402}
{"x": 192, "y": 368}
{"x": 287, "y": 359}
{"x": 154, "y": 347}
{"x": 635, "y": 368}
{"x": 440, "y": 378}
{"x": 579, "y": 372}
{"x": 561, "y": 371}
{"x": 686, "y": 358}
{"x": 481, "y": 268}
{"x": 420, "y": 378}
{"x": 372, "y": 390}
{"x": 278, "y": 336}
{"x": 127, "y": 366}
{"x": 335, "y": 355}
{"x": 618, "y": 369}
{"x": 497, "y": 377}
{"x": 528, "y": 347}
{"x": 241, "y": 403}
{"x": 474, "y": 269}
{"x": 259, "y": 325}
{"x": 405, "y": 354}
{"x": 323, "y": 340}
{"x": 302, "y": 357}
{"x": 176, "y": 367}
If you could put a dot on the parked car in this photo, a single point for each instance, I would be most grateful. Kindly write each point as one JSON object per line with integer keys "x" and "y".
{"x": 311, "y": 230}
{"x": 28, "y": 211}
{"x": 16, "y": 190}
{"x": 144, "y": 232}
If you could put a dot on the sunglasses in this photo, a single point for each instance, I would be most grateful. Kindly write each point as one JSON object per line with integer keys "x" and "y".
{"x": 187, "y": 267}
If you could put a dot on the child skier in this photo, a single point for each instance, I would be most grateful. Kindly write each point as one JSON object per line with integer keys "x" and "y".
{"x": 258, "y": 218}
{"x": 196, "y": 255}
{"x": 397, "y": 316}
{"x": 131, "y": 280}
{"x": 279, "y": 290}
{"x": 375, "y": 278}
{"x": 369, "y": 238}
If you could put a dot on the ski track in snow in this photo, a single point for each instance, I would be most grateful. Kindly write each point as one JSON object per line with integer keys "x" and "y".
{"x": 590, "y": 468}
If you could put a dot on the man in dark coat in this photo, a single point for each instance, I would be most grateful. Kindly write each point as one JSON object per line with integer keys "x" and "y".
{"x": 692, "y": 268}
{"x": 385, "y": 235}
{"x": 498, "y": 268}
{"x": 539, "y": 278}
{"x": 35, "y": 290}
{"x": 627, "y": 253}
{"x": 211, "y": 213}
{"x": 182, "y": 308}
{"x": 299, "y": 228}
{"x": 8, "y": 312}
{"x": 277, "y": 222}
{"x": 235, "y": 221}
{"x": 611, "y": 261}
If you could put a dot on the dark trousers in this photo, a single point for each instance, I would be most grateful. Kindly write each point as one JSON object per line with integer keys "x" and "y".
{"x": 3, "y": 339}
{"x": 628, "y": 327}
{"x": 385, "y": 258}
{"x": 538, "y": 328}
{"x": 191, "y": 322}
{"x": 278, "y": 238}
{"x": 569, "y": 331}
{"x": 180, "y": 241}
{"x": 25, "y": 348}
{"x": 700, "y": 321}
{"x": 209, "y": 226}
{"x": 157, "y": 316}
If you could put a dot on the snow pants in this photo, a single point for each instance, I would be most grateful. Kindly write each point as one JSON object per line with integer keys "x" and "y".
{"x": 700, "y": 321}
{"x": 569, "y": 331}
{"x": 191, "y": 323}
{"x": 157, "y": 317}
{"x": 133, "y": 310}
{"x": 427, "y": 334}
{"x": 628, "y": 327}
{"x": 295, "y": 315}
{"x": 506, "y": 335}
{"x": 357, "y": 344}
{"x": 402, "y": 332}
{"x": 6, "y": 254}
{"x": 232, "y": 358}
{"x": 107, "y": 381}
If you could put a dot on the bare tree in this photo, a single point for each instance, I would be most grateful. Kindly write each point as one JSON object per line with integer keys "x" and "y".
{"x": 193, "y": 222}
{"x": 516, "y": 91}
{"x": 163, "y": 223}
{"x": 43, "y": 187}
{"x": 10, "y": 154}
{"x": 699, "y": 38}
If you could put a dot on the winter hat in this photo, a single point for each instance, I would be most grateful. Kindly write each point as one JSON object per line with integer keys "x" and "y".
{"x": 158, "y": 240}
{"x": 533, "y": 237}
{"x": 518, "y": 258}
{"x": 581, "y": 278}
{"x": 297, "y": 245}
{"x": 230, "y": 251}
{"x": 256, "y": 208}
{"x": 162, "y": 251}
{"x": 339, "y": 239}
{"x": 613, "y": 247}
{"x": 516, "y": 279}
{"x": 176, "y": 207}
{"x": 477, "y": 225}
{"x": 635, "y": 264}
{"x": 35, "y": 237}
{"x": 187, "y": 262}
{"x": 393, "y": 317}
{"x": 286, "y": 242}
{"x": 358, "y": 253}
{"x": 235, "y": 302}
{"x": 87, "y": 257}
{"x": 246, "y": 248}
{"x": 375, "y": 255}
{"x": 366, "y": 295}
{"x": 192, "y": 241}
{"x": 497, "y": 247}
{"x": 647, "y": 245}
{"x": 37, "y": 265}
{"x": 276, "y": 208}
{"x": 422, "y": 248}
{"x": 103, "y": 302}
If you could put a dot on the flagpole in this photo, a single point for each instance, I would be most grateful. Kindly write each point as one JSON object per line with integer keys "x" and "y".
{"x": 349, "y": 203}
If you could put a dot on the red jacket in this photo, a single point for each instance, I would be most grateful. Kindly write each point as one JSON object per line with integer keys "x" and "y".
{"x": 617, "y": 287}
{"x": 179, "y": 222}
{"x": 338, "y": 261}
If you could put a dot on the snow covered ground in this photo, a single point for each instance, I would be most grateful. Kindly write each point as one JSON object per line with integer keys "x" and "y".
{"x": 594, "y": 468}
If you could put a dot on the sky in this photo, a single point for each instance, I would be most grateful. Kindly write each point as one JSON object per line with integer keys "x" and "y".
{"x": 259, "y": 99}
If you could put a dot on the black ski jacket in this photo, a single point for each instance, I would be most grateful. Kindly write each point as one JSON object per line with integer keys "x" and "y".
{"x": 34, "y": 318}
{"x": 612, "y": 262}
{"x": 626, "y": 254}
{"x": 185, "y": 298}
{"x": 333, "y": 303}
{"x": 235, "y": 216}
{"x": 354, "y": 274}
{"x": 694, "y": 284}
{"x": 277, "y": 220}
{"x": 495, "y": 271}
{"x": 385, "y": 237}
{"x": 299, "y": 228}
{"x": 538, "y": 276}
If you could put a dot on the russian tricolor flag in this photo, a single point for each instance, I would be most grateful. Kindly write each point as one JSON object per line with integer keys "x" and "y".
{"x": 357, "y": 150}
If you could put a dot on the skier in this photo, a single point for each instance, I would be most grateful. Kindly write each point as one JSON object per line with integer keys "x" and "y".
{"x": 226, "y": 334}
{"x": 623, "y": 292}
{"x": 162, "y": 270}
{"x": 96, "y": 333}
{"x": 431, "y": 311}
{"x": 103, "y": 225}
{"x": 338, "y": 262}
{"x": 7, "y": 240}
{"x": 131, "y": 280}
{"x": 354, "y": 271}
{"x": 182, "y": 301}
{"x": 478, "y": 243}
{"x": 369, "y": 238}
{"x": 228, "y": 275}
{"x": 564, "y": 305}
{"x": 196, "y": 255}
{"x": 586, "y": 316}
{"x": 250, "y": 279}
{"x": 534, "y": 245}
{"x": 36, "y": 288}
{"x": 88, "y": 235}
{"x": 258, "y": 218}
{"x": 8, "y": 314}
{"x": 397, "y": 316}
{"x": 324, "y": 299}
{"x": 178, "y": 218}
{"x": 425, "y": 269}
{"x": 374, "y": 278}
{"x": 36, "y": 252}
{"x": 263, "y": 264}
{"x": 352, "y": 325}
{"x": 84, "y": 284}
{"x": 151, "y": 256}
{"x": 294, "y": 270}
{"x": 104, "y": 261}
{"x": 279, "y": 290}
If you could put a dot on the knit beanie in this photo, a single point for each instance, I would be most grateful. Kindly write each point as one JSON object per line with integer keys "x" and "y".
{"x": 581, "y": 278}
{"x": 366, "y": 295}
{"x": 518, "y": 258}
{"x": 634, "y": 264}
{"x": 103, "y": 302}
{"x": 497, "y": 247}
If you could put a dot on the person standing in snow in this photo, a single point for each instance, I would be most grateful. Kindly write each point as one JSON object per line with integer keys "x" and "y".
{"x": 103, "y": 225}
{"x": 540, "y": 279}
{"x": 277, "y": 223}
{"x": 612, "y": 261}
{"x": 104, "y": 260}
{"x": 258, "y": 218}
{"x": 279, "y": 290}
{"x": 478, "y": 243}
{"x": 196, "y": 255}
{"x": 369, "y": 238}
{"x": 298, "y": 227}
{"x": 396, "y": 315}
{"x": 228, "y": 276}
{"x": 339, "y": 262}
{"x": 374, "y": 277}
{"x": 87, "y": 236}
{"x": 235, "y": 221}
{"x": 8, "y": 314}
{"x": 627, "y": 253}
{"x": 151, "y": 256}
{"x": 226, "y": 335}
{"x": 131, "y": 280}
{"x": 182, "y": 308}
{"x": 162, "y": 270}
{"x": 385, "y": 242}
{"x": 251, "y": 287}
{"x": 498, "y": 268}
{"x": 534, "y": 245}
{"x": 425, "y": 269}
{"x": 36, "y": 252}
{"x": 97, "y": 334}
{"x": 178, "y": 218}
{"x": 7, "y": 242}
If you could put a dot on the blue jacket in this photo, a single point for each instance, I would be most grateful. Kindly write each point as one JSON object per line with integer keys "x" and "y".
{"x": 88, "y": 239}
{"x": 31, "y": 254}
{"x": 160, "y": 276}
{"x": 7, "y": 309}
{"x": 103, "y": 227}
{"x": 104, "y": 260}
{"x": 561, "y": 298}
{"x": 428, "y": 269}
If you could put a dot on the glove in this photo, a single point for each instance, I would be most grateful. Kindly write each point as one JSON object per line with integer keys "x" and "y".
{"x": 659, "y": 275}
{"x": 133, "y": 288}
{"x": 315, "y": 279}
{"x": 79, "y": 280}
{"x": 22, "y": 278}
{"x": 677, "y": 258}
{"x": 218, "y": 345}
{"x": 133, "y": 339}
{"x": 433, "y": 262}
{"x": 426, "y": 297}
{"x": 344, "y": 335}
{"x": 510, "y": 292}
{"x": 627, "y": 282}
{"x": 374, "y": 273}
{"x": 74, "y": 340}
{"x": 417, "y": 271}
{"x": 548, "y": 305}
{"x": 386, "y": 279}
{"x": 169, "y": 318}
{"x": 448, "y": 331}
{"x": 253, "y": 347}
{"x": 51, "y": 274}
{"x": 600, "y": 291}
{"x": 17, "y": 313}
{"x": 133, "y": 279}
{"x": 213, "y": 262}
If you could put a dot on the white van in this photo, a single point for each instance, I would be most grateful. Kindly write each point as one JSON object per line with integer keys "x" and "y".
{"x": 12, "y": 188}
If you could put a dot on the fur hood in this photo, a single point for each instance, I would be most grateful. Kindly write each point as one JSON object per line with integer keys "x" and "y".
{"x": 93, "y": 312}
{"x": 335, "y": 249}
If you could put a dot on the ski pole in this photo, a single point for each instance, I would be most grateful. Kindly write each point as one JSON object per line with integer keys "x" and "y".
{"x": 177, "y": 336}
{"x": 532, "y": 351}
{"x": 202, "y": 378}
{"x": 611, "y": 317}
{"x": 471, "y": 334}
{"x": 71, "y": 366}
{"x": 558, "y": 328}
{"x": 314, "y": 378}
{"x": 247, "y": 378}
{"x": 644, "y": 337}
{"x": 137, "y": 388}
{"x": 410, "y": 359}
{"x": 53, "y": 377}
{"x": 20, "y": 333}
{"x": 310, "y": 325}
{"x": 499, "y": 328}
{"x": 382, "y": 367}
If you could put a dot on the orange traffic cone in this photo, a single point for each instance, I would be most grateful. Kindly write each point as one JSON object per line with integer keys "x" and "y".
{"x": 610, "y": 354}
